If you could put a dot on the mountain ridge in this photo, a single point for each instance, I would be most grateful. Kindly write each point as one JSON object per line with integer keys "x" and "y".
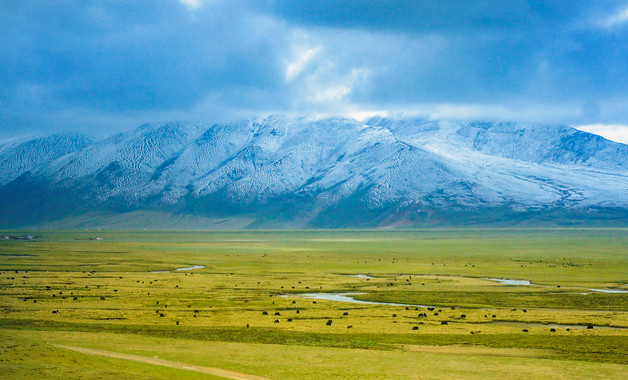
{"x": 304, "y": 171}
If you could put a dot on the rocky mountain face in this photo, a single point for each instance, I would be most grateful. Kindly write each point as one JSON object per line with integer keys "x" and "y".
{"x": 315, "y": 172}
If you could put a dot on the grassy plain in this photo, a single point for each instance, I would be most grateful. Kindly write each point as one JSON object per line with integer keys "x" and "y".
{"x": 244, "y": 310}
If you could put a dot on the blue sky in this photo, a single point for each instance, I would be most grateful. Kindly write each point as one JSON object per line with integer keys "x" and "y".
{"x": 103, "y": 66}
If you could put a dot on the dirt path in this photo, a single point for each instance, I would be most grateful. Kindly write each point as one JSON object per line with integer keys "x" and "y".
{"x": 166, "y": 363}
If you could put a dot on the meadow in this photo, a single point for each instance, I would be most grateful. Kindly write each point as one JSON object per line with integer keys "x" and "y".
{"x": 252, "y": 302}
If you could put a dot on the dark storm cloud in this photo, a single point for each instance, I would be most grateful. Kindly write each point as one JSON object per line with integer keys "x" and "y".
{"x": 132, "y": 56}
{"x": 112, "y": 64}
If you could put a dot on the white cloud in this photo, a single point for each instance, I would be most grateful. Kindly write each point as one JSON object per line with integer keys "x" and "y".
{"x": 192, "y": 4}
{"x": 300, "y": 61}
{"x": 196, "y": 4}
{"x": 470, "y": 111}
{"x": 539, "y": 113}
{"x": 336, "y": 90}
{"x": 614, "y": 132}
{"x": 331, "y": 93}
{"x": 363, "y": 115}
{"x": 467, "y": 111}
{"x": 616, "y": 19}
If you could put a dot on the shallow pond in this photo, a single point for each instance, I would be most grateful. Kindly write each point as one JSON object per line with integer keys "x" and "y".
{"x": 505, "y": 281}
{"x": 360, "y": 276}
{"x": 192, "y": 267}
{"x": 347, "y": 297}
{"x": 180, "y": 269}
{"x": 609, "y": 290}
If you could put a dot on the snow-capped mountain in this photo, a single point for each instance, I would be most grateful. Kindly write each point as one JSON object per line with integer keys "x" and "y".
{"x": 20, "y": 156}
{"x": 322, "y": 172}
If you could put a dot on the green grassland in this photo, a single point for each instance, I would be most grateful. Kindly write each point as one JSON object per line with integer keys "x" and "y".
{"x": 245, "y": 311}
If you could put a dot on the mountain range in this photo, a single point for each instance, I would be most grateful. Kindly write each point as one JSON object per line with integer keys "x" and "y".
{"x": 302, "y": 172}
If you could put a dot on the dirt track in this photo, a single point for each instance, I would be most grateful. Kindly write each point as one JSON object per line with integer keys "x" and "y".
{"x": 166, "y": 363}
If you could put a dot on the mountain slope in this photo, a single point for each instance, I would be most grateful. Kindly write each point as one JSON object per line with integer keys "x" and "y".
{"x": 21, "y": 156}
{"x": 323, "y": 172}
{"x": 542, "y": 144}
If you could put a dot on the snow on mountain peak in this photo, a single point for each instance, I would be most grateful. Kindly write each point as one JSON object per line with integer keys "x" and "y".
{"x": 327, "y": 165}
{"x": 23, "y": 155}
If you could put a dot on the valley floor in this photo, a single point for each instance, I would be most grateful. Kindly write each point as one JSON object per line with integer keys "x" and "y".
{"x": 432, "y": 304}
